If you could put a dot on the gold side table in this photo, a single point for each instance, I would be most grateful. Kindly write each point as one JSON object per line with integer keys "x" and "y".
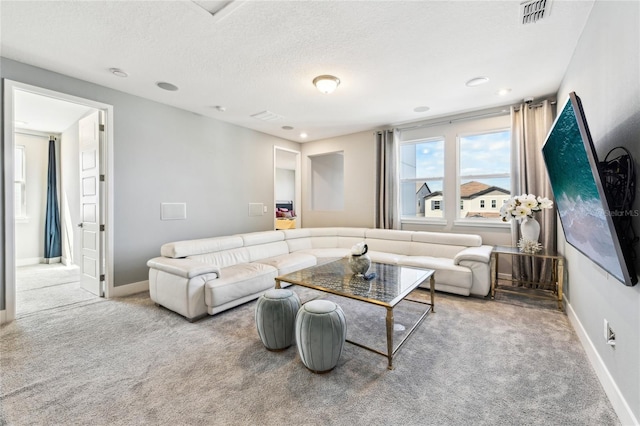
{"x": 557, "y": 269}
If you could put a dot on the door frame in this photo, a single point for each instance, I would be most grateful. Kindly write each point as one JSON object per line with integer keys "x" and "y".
{"x": 10, "y": 87}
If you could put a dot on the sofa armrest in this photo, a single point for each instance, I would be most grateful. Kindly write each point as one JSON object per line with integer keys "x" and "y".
{"x": 186, "y": 268}
{"x": 476, "y": 254}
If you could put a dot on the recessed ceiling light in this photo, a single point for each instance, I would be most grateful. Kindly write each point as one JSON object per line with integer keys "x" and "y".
{"x": 118, "y": 72}
{"x": 303, "y": 135}
{"x": 421, "y": 109}
{"x": 287, "y": 128}
{"x": 167, "y": 86}
{"x": 326, "y": 83}
{"x": 477, "y": 81}
{"x": 504, "y": 91}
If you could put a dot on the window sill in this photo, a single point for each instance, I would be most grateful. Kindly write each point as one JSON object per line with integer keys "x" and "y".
{"x": 482, "y": 223}
{"x": 424, "y": 221}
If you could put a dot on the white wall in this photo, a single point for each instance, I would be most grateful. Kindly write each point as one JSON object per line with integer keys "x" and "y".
{"x": 285, "y": 185}
{"x": 359, "y": 181}
{"x": 605, "y": 73}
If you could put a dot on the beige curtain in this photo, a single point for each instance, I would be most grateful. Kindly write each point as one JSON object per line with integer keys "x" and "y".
{"x": 530, "y": 124}
{"x": 387, "y": 208}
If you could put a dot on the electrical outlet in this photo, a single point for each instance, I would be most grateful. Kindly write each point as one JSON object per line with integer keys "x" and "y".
{"x": 609, "y": 334}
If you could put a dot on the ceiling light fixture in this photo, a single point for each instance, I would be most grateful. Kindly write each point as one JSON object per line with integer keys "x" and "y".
{"x": 503, "y": 92}
{"x": 219, "y": 108}
{"x": 421, "y": 109}
{"x": 167, "y": 86}
{"x": 118, "y": 72}
{"x": 477, "y": 81}
{"x": 303, "y": 135}
{"x": 287, "y": 128}
{"x": 326, "y": 83}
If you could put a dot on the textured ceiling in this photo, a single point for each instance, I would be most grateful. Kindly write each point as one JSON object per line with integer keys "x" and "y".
{"x": 391, "y": 56}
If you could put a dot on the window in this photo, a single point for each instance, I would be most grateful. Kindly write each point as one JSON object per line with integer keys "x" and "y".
{"x": 484, "y": 170}
{"x": 421, "y": 178}
{"x": 20, "y": 188}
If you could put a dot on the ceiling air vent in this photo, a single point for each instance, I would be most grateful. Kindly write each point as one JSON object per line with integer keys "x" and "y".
{"x": 219, "y": 9}
{"x": 267, "y": 116}
{"x": 534, "y": 10}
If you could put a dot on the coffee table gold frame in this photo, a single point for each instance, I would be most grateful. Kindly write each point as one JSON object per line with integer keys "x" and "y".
{"x": 336, "y": 278}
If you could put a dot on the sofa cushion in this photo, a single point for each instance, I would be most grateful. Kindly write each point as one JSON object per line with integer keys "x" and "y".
{"x": 324, "y": 253}
{"x": 446, "y": 272}
{"x": 434, "y": 250}
{"x": 382, "y": 257}
{"x": 291, "y": 262}
{"x": 267, "y": 250}
{"x": 225, "y": 258}
{"x": 258, "y": 238}
{"x": 466, "y": 240}
{"x": 238, "y": 281}
{"x": 200, "y": 246}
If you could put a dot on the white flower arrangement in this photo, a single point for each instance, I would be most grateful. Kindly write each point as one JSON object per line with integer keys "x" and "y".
{"x": 523, "y": 206}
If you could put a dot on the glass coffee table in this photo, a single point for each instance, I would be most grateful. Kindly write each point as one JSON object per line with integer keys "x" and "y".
{"x": 390, "y": 286}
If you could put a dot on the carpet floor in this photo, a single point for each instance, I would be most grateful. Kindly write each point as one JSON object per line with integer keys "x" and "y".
{"x": 128, "y": 362}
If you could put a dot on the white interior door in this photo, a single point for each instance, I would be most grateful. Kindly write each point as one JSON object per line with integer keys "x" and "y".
{"x": 91, "y": 265}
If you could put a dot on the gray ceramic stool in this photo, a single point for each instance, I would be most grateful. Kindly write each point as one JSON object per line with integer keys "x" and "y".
{"x": 321, "y": 330}
{"x": 275, "y": 318}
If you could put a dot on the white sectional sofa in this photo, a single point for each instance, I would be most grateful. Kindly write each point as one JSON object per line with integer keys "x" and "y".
{"x": 210, "y": 275}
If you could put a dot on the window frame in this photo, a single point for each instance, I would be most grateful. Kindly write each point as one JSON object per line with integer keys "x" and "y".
{"x": 20, "y": 153}
{"x": 418, "y": 219}
{"x": 481, "y": 221}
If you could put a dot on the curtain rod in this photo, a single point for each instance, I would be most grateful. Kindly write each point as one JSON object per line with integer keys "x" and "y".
{"x": 473, "y": 117}
{"x": 454, "y": 120}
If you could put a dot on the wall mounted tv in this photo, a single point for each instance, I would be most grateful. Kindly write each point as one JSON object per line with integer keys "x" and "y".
{"x": 576, "y": 181}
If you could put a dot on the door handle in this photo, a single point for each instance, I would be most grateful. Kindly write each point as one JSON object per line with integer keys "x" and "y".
{"x": 80, "y": 225}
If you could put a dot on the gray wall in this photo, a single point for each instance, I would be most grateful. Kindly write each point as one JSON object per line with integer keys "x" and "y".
{"x": 164, "y": 154}
{"x": 605, "y": 73}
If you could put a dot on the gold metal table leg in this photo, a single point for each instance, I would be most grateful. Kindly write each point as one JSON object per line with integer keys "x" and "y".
{"x": 560, "y": 274}
{"x": 390, "y": 338}
{"x": 278, "y": 283}
{"x": 494, "y": 272}
{"x": 432, "y": 284}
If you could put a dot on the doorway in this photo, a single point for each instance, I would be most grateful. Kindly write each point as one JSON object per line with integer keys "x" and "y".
{"x": 287, "y": 188}
{"x": 38, "y": 112}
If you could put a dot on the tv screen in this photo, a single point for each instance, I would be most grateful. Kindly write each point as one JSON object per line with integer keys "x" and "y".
{"x": 576, "y": 181}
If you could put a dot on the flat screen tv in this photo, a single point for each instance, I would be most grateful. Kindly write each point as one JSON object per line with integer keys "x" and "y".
{"x": 576, "y": 181}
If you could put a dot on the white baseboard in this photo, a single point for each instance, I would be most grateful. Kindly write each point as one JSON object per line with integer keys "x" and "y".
{"x": 29, "y": 261}
{"x": 129, "y": 289}
{"x": 616, "y": 398}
